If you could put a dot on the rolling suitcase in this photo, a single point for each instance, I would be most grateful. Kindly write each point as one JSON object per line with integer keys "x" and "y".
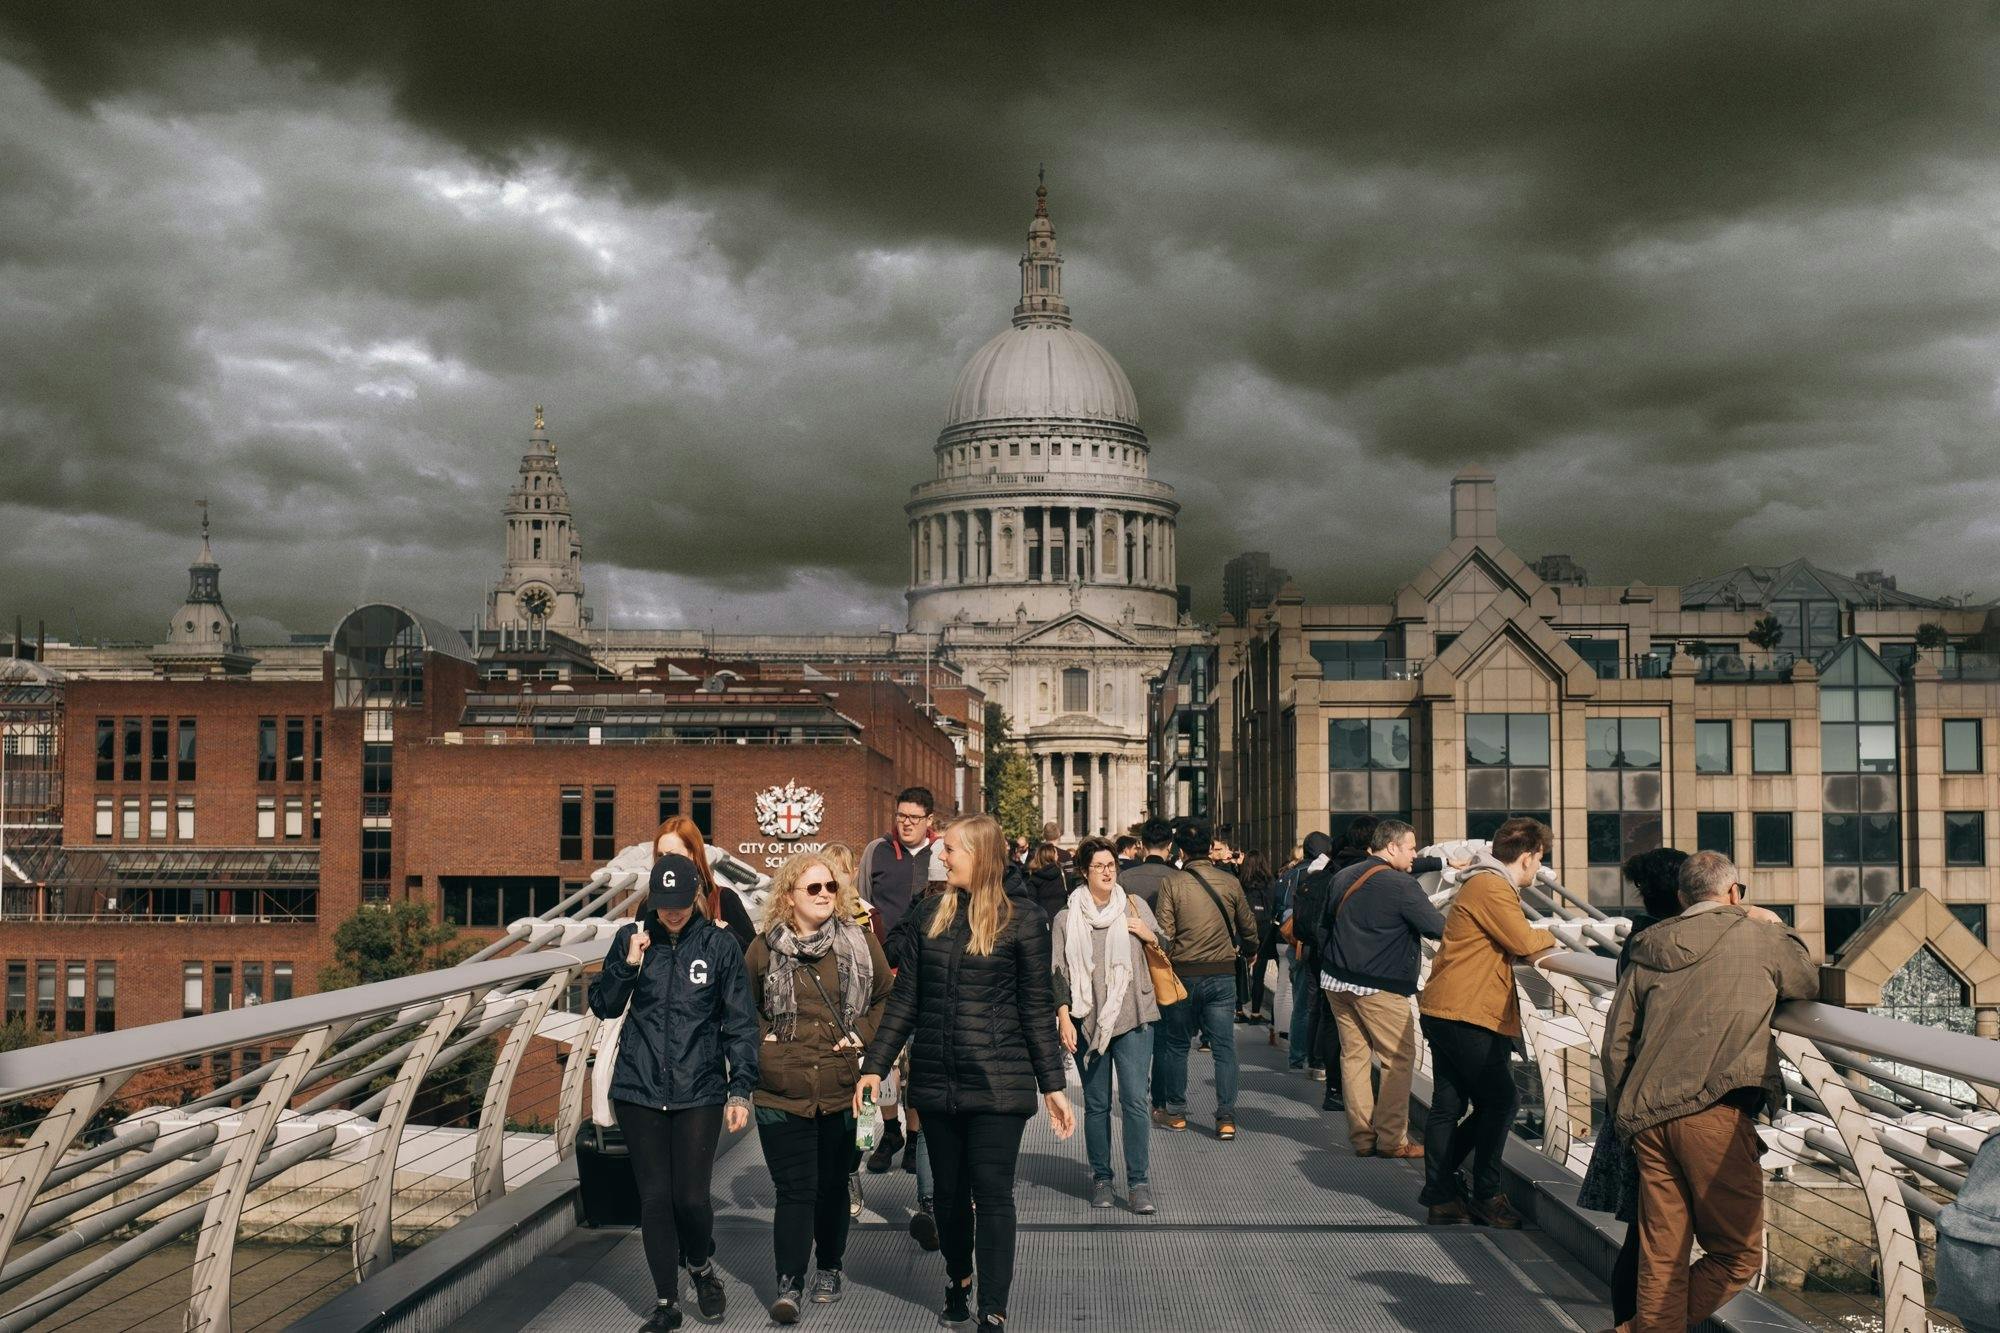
{"x": 606, "y": 1190}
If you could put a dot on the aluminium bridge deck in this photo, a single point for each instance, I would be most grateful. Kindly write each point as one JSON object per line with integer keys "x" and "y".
{"x": 1284, "y": 1228}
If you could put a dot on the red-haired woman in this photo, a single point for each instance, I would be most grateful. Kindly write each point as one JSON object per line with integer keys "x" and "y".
{"x": 976, "y": 1008}
{"x": 717, "y": 902}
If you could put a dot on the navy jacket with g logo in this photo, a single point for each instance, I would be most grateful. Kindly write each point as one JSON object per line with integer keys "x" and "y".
{"x": 691, "y": 1036}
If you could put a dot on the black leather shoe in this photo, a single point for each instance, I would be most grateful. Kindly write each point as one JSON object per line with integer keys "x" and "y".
{"x": 708, "y": 1294}
{"x": 923, "y": 1226}
{"x": 665, "y": 1319}
{"x": 957, "y": 1305}
{"x": 785, "y": 1305}
{"x": 884, "y": 1157}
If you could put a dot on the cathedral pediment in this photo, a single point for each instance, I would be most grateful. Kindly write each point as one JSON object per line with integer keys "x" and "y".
{"x": 1074, "y": 630}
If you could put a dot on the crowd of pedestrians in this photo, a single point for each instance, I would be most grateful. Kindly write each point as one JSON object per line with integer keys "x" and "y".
{"x": 959, "y": 983}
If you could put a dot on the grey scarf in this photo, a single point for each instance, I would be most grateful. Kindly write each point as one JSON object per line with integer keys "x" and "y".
{"x": 792, "y": 952}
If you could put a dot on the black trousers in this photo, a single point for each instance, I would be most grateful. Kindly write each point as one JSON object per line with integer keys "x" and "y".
{"x": 673, "y": 1163}
{"x": 972, "y": 1160}
{"x": 1322, "y": 1037}
{"x": 1469, "y": 1066}
{"x": 1625, "y": 1278}
{"x": 1267, "y": 951}
{"x": 808, "y": 1157}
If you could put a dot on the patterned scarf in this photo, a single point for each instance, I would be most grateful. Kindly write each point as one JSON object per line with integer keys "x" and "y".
{"x": 792, "y": 952}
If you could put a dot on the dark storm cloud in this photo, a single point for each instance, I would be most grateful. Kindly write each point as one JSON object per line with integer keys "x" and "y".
{"x": 1705, "y": 283}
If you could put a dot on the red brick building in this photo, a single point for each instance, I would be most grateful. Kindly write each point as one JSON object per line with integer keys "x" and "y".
{"x": 217, "y": 830}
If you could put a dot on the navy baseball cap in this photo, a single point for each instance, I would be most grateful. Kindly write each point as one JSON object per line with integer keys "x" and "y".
{"x": 673, "y": 883}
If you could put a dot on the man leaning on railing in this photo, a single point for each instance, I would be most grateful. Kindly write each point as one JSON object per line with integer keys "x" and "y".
{"x": 1689, "y": 1063}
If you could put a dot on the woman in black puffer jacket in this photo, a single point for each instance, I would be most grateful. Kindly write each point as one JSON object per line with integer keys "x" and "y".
{"x": 1049, "y": 880}
{"x": 975, "y": 1006}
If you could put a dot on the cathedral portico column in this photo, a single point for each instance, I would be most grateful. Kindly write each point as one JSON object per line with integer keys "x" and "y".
{"x": 1048, "y": 784}
{"x": 1100, "y": 804}
{"x": 1071, "y": 565}
{"x": 1048, "y": 546}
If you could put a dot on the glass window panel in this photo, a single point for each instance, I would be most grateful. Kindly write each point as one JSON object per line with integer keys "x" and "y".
{"x": 1822, "y": 625}
{"x": 1711, "y": 746}
{"x": 1715, "y": 831}
{"x": 1389, "y": 793}
{"x": 1878, "y": 883}
{"x": 1486, "y": 738}
{"x": 1642, "y": 789}
{"x": 1877, "y": 705}
{"x": 1839, "y": 747}
{"x": 1530, "y": 789}
{"x": 1878, "y": 748}
{"x": 1842, "y": 792}
{"x": 1843, "y": 884}
{"x": 1607, "y": 886}
{"x": 1528, "y": 740}
{"x": 1389, "y": 742}
{"x": 517, "y": 899}
{"x": 1348, "y": 789}
{"x": 1771, "y": 838}
{"x": 1770, "y": 747}
{"x": 1642, "y": 831}
{"x": 1965, "y": 838}
{"x": 1961, "y": 745}
{"x": 1881, "y": 839}
{"x": 1486, "y": 790}
{"x": 1836, "y": 705}
{"x": 1600, "y": 791}
{"x": 1840, "y": 839}
{"x": 1483, "y": 824}
{"x": 1875, "y": 793}
{"x": 1603, "y": 837}
{"x": 1347, "y": 742}
{"x": 1600, "y": 742}
{"x": 485, "y": 902}
{"x": 1973, "y": 917}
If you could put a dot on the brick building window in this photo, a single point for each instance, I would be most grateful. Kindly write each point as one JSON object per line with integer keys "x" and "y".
{"x": 156, "y": 819}
{"x": 494, "y": 900}
{"x": 281, "y": 982}
{"x": 603, "y": 823}
{"x": 295, "y": 817}
{"x": 45, "y": 995}
{"x": 1965, "y": 838}
{"x": 1963, "y": 747}
{"x": 1369, "y": 763}
{"x": 319, "y": 746}
{"x": 1622, "y": 792}
{"x": 76, "y": 995}
{"x": 253, "y": 984}
{"x": 107, "y": 749}
{"x": 156, "y": 761}
{"x": 267, "y": 817}
{"x": 1715, "y": 831}
{"x": 670, "y": 803}
{"x": 295, "y": 749}
{"x": 267, "y": 749}
{"x": 378, "y": 768}
{"x": 134, "y": 739}
{"x": 107, "y": 997}
{"x": 106, "y": 817}
{"x": 375, "y": 848}
{"x": 222, "y": 988}
{"x": 315, "y": 819}
{"x": 1770, "y": 746}
{"x": 184, "y": 752}
{"x": 1506, "y": 770}
{"x": 191, "y": 979}
{"x": 569, "y": 828}
{"x": 701, "y": 809}
{"x": 184, "y": 818}
{"x": 1713, "y": 740}
{"x": 129, "y": 820}
{"x": 17, "y": 991}
{"x": 1771, "y": 838}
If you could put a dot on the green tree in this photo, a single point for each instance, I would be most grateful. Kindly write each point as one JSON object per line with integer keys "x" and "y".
{"x": 1931, "y": 635}
{"x": 999, "y": 736}
{"x": 1767, "y": 633}
{"x": 1016, "y": 802}
{"x": 383, "y": 943}
{"x": 19, "y": 1034}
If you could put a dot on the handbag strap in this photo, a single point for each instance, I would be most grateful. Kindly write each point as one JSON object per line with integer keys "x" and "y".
{"x": 832, "y": 1008}
{"x": 1228, "y": 922}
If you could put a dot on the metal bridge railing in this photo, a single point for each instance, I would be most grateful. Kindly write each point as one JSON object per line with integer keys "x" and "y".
{"x": 1881, "y": 1119}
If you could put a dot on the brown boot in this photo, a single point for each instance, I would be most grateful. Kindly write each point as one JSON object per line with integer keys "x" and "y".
{"x": 1495, "y": 1212}
{"x": 1447, "y": 1214}
{"x": 1408, "y": 1152}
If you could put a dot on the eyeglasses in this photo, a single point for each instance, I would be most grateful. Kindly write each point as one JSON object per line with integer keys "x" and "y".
{"x": 902, "y": 818}
{"x": 819, "y": 887}
{"x": 1102, "y": 864}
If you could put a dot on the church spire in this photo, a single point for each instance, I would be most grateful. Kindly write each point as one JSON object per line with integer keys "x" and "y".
{"x": 1041, "y": 267}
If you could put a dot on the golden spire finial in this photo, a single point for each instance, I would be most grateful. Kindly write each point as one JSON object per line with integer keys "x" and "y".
{"x": 202, "y": 504}
{"x": 538, "y": 416}
{"x": 1041, "y": 191}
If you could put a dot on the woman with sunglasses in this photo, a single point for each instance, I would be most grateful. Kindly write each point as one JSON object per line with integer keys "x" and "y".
{"x": 1105, "y": 1012}
{"x": 974, "y": 1006}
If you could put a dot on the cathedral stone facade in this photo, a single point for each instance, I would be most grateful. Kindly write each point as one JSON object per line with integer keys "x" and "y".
{"x": 1042, "y": 556}
{"x": 541, "y": 579}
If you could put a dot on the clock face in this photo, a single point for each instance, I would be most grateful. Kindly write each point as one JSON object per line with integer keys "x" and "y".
{"x": 537, "y": 603}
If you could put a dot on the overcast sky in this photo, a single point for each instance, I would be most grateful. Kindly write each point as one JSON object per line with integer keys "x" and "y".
{"x": 1703, "y": 284}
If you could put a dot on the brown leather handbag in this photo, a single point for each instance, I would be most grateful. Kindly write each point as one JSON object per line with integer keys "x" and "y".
{"x": 1167, "y": 986}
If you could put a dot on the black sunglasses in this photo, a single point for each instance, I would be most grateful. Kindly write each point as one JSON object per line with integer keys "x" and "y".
{"x": 818, "y": 887}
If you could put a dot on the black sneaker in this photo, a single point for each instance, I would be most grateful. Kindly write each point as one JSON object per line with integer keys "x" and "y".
{"x": 1332, "y": 1101}
{"x": 923, "y": 1226}
{"x": 709, "y": 1296}
{"x": 910, "y": 1155}
{"x": 826, "y": 1286}
{"x": 785, "y": 1305}
{"x": 957, "y": 1305}
{"x": 665, "y": 1319}
{"x": 885, "y": 1152}
{"x": 992, "y": 1321}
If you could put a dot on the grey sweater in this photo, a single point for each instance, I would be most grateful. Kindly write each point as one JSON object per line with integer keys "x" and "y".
{"x": 1140, "y": 1004}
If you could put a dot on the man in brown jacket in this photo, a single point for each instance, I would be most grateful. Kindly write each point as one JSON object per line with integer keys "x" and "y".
{"x": 1471, "y": 1021}
{"x": 1689, "y": 1064}
{"x": 1207, "y": 925}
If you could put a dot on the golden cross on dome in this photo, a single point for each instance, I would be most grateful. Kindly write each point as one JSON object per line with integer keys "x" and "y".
{"x": 202, "y": 504}
{"x": 538, "y": 416}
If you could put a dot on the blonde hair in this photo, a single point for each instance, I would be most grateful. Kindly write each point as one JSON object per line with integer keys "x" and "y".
{"x": 781, "y": 910}
{"x": 989, "y": 911}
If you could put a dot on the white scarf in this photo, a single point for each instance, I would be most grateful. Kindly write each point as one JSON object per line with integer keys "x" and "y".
{"x": 1079, "y": 962}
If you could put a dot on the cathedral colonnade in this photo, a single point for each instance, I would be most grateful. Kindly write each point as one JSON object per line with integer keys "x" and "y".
{"x": 1087, "y": 792}
{"x": 1042, "y": 543}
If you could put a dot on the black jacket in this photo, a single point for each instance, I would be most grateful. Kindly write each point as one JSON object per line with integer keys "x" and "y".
{"x": 1050, "y": 887}
{"x": 1371, "y": 937}
{"x": 691, "y": 1036}
{"x": 981, "y": 1030}
{"x": 892, "y": 878}
{"x": 1310, "y": 903}
{"x": 736, "y": 918}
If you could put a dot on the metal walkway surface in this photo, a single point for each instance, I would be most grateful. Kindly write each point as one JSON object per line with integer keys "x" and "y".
{"x": 1283, "y": 1228}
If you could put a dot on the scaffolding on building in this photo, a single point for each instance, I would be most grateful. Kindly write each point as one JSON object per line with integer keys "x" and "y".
{"x": 31, "y": 785}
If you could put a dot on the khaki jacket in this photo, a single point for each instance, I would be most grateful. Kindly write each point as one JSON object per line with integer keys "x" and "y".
{"x": 1200, "y": 941}
{"x": 806, "y": 1076}
{"x": 1691, "y": 1020}
{"x": 1472, "y": 977}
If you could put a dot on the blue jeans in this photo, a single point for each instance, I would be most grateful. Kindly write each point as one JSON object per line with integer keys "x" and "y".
{"x": 1305, "y": 994}
{"x": 923, "y": 1152}
{"x": 1210, "y": 1006}
{"x": 1130, "y": 1057}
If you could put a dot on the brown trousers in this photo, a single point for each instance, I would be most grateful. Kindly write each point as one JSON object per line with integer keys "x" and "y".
{"x": 1698, "y": 1180}
{"x": 1375, "y": 1027}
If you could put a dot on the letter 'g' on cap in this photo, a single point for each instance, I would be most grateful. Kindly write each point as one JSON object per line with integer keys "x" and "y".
{"x": 673, "y": 884}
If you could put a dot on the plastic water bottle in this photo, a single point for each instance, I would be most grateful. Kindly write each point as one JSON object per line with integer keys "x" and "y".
{"x": 868, "y": 1125}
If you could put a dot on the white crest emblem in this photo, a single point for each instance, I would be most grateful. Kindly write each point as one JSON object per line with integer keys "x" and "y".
{"x": 790, "y": 811}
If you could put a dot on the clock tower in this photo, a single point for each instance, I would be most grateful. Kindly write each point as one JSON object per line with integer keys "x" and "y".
{"x": 541, "y": 577}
